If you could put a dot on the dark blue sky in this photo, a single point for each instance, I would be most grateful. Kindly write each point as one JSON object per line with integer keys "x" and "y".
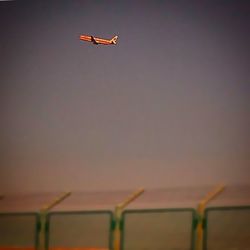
{"x": 169, "y": 105}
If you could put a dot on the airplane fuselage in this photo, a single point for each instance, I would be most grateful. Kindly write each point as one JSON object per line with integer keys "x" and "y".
{"x": 96, "y": 40}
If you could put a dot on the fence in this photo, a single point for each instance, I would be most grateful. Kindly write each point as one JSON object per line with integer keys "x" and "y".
{"x": 162, "y": 219}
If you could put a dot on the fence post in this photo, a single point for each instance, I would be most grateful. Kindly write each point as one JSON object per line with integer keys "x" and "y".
{"x": 43, "y": 212}
{"x": 118, "y": 212}
{"x": 200, "y": 211}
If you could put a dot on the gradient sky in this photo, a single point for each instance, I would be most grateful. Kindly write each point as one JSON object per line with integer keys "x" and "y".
{"x": 168, "y": 106}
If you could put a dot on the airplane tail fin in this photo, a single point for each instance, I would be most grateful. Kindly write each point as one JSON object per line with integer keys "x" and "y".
{"x": 94, "y": 40}
{"x": 114, "y": 39}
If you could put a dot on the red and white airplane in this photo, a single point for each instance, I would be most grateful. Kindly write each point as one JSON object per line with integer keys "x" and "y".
{"x": 96, "y": 40}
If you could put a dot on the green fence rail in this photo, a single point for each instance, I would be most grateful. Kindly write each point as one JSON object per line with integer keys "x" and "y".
{"x": 227, "y": 228}
{"x": 19, "y": 230}
{"x": 158, "y": 229}
{"x": 79, "y": 229}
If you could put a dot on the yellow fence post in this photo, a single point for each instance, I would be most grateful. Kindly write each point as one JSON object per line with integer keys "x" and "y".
{"x": 118, "y": 211}
{"x": 200, "y": 210}
{"x": 43, "y": 212}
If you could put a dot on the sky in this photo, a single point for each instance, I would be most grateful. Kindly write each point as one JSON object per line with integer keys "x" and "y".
{"x": 169, "y": 105}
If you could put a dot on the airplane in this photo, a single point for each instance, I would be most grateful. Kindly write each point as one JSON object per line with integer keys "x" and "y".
{"x": 96, "y": 40}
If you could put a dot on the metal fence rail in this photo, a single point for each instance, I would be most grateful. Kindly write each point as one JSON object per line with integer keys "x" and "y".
{"x": 87, "y": 229}
{"x": 227, "y": 228}
{"x": 19, "y": 230}
{"x": 158, "y": 229}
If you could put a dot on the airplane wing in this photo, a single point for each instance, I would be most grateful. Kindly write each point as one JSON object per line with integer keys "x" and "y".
{"x": 94, "y": 40}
